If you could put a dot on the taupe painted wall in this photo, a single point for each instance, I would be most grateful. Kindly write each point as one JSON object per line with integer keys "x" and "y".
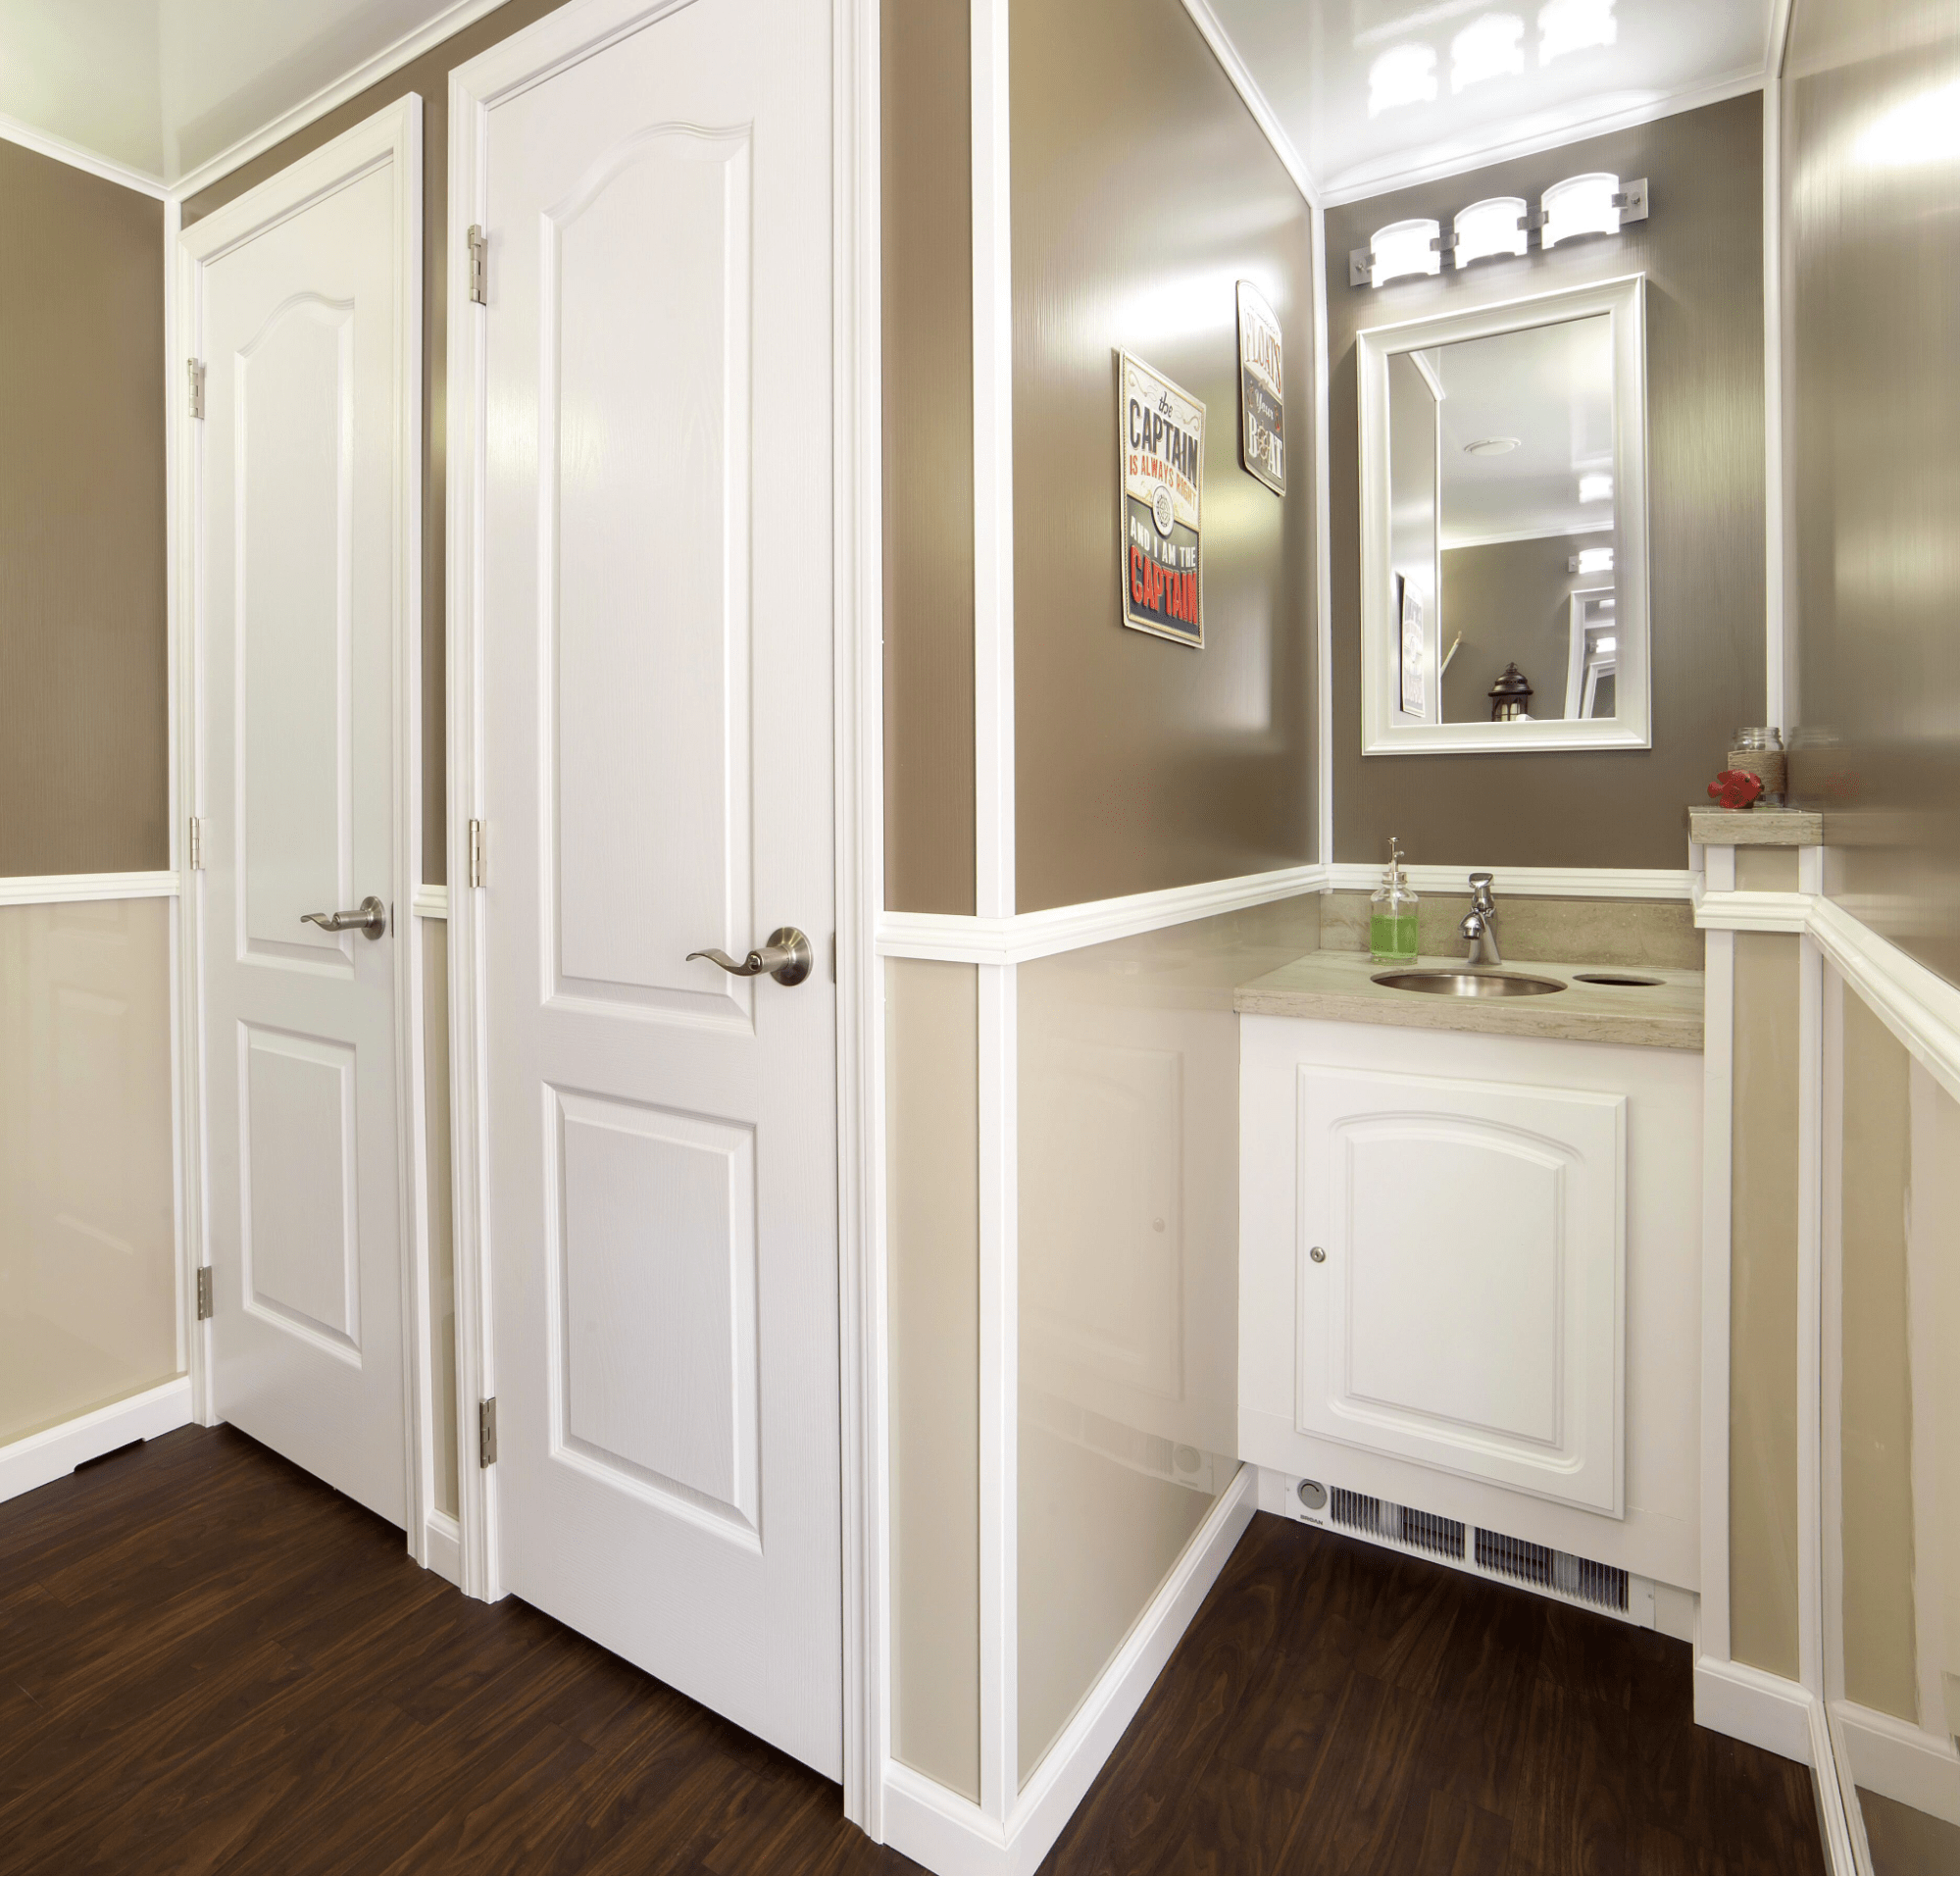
{"x": 1512, "y": 602}
{"x": 1141, "y": 191}
{"x": 1873, "y": 427}
{"x": 1702, "y": 253}
{"x": 928, "y": 457}
{"x": 84, "y": 716}
{"x": 429, "y": 77}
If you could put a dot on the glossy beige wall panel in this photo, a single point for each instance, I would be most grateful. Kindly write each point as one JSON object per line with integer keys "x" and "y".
{"x": 87, "y": 1236}
{"x": 85, "y": 728}
{"x": 427, "y": 76}
{"x": 931, "y": 1105}
{"x": 928, "y": 457}
{"x": 1128, "y": 1278}
{"x": 1876, "y": 1399}
{"x": 1935, "y": 1260}
{"x": 1872, "y": 251}
{"x": 1702, "y": 253}
{"x": 1763, "y": 1308}
{"x": 1142, "y": 190}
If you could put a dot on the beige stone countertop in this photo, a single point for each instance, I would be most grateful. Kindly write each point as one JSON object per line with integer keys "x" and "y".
{"x": 1755, "y": 827}
{"x": 1339, "y": 987}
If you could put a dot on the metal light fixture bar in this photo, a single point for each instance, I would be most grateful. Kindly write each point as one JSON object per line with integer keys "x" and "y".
{"x": 1399, "y": 257}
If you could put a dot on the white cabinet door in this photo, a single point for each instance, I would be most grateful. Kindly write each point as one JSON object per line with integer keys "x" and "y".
{"x": 1460, "y": 1276}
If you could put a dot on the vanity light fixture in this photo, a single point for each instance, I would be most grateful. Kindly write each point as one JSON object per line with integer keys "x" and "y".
{"x": 1606, "y": 645}
{"x": 1595, "y": 487}
{"x": 1393, "y": 252}
{"x": 1494, "y": 225}
{"x": 1589, "y": 204}
{"x": 1590, "y": 560}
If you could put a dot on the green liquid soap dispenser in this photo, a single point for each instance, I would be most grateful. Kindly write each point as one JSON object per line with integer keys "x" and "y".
{"x": 1391, "y": 915}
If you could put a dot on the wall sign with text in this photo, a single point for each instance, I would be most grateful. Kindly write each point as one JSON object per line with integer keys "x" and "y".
{"x": 1161, "y": 441}
{"x": 1262, "y": 391}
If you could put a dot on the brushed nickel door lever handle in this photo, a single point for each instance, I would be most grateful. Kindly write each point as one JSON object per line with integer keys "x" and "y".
{"x": 786, "y": 958}
{"x": 370, "y": 916}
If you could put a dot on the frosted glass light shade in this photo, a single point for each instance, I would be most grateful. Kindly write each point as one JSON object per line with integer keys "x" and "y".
{"x": 1595, "y": 486}
{"x": 1403, "y": 248}
{"x": 1595, "y": 560}
{"x": 1580, "y": 205}
{"x": 1490, "y": 226}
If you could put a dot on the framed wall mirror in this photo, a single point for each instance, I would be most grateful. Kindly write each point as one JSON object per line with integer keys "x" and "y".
{"x": 1504, "y": 527}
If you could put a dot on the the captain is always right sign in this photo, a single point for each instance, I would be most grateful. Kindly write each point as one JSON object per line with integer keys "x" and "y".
{"x": 1161, "y": 435}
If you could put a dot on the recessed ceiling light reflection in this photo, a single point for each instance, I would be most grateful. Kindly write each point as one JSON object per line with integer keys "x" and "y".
{"x": 1403, "y": 75}
{"x": 1596, "y": 488}
{"x": 1493, "y": 446}
{"x": 1572, "y": 25}
{"x": 1923, "y": 130}
{"x": 1492, "y": 47}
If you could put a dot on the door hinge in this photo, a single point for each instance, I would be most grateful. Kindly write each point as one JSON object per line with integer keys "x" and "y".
{"x": 486, "y": 1432}
{"x": 475, "y": 853}
{"x": 195, "y": 367}
{"x": 204, "y": 1303}
{"x": 479, "y": 267}
{"x": 195, "y": 846}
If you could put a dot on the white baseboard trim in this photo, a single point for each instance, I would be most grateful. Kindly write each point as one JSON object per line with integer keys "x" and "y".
{"x": 1540, "y": 883}
{"x": 39, "y": 1459}
{"x": 62, "y": 889}
{"x": 1751, "y": 1705}
{"x": 1898, "y": 1761}
{"x": 442, "y": 1544}
{"x": 947, "y": 1833}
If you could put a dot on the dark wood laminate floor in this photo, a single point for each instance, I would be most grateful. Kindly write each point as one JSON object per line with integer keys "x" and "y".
{"x": 1340, "y": 1707}
{"x": 210, "y": 1661}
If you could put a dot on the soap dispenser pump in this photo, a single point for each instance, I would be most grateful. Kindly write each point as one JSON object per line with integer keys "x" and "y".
{"x": 1391, "y": 915}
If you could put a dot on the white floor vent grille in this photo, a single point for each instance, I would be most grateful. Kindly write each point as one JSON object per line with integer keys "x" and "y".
{"x": 1470, "y": 1547}
{"x": 1603, "y": 1585}
{"x": 1399, "y": 1524}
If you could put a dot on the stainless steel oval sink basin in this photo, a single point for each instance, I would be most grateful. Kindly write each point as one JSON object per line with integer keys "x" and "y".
{"x": 1469, "y": 983}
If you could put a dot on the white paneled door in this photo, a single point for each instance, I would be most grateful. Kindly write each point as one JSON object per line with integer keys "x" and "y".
{"x": 296, "y": 307}
{"x": 654, "y": 592}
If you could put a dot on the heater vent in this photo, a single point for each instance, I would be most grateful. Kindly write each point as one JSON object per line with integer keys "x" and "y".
{"x": 1398, "y": 1523}
{"x": 1603, "y": 1585}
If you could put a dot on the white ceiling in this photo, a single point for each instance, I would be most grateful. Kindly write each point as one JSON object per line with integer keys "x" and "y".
{"x": 1313, "y": 60}
{"x": 161, "y": 87}
{"x": 1550, "y": 387}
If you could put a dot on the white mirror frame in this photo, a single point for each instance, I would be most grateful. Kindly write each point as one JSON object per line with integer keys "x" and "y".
{"x": 1624, "y": 301}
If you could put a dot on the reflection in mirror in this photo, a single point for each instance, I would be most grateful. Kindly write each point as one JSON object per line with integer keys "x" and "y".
{"x": 1506, "y": 605}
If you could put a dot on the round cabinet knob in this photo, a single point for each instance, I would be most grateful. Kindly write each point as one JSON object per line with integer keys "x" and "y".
{"x": 1318, "y": 1254}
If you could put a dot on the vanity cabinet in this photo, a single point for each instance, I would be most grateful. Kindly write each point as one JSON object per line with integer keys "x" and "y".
{"x": 1470, "y": 1279}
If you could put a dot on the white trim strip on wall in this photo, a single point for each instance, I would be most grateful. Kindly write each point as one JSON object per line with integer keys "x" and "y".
{"x": 43, "y": 143}
{"x": 429, "y": 902}
{"x": 35, "y": 1459}
{"x": 62, "y": 889}
{"x": 1253, "y": 98}
{"x": 1541, "y": 883}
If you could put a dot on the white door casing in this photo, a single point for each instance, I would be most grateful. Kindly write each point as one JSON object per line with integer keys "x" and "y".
{"x": 643, "y": 540}
{"x": 300, "y": 507}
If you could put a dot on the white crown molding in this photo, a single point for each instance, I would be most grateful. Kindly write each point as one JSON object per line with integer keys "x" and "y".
{"x": 431, "y": 903}
{"x": 451, "y": 21}
{"x": 1716, "y": 911}
{"x": 1538, "y": 883}
{"x": 1525, "y": 534}
{"x": 62, "y": 889}
{"x": 12, "y": 130}
{"x": 1254, "y": 99}
{"x": 1576, "y": 126}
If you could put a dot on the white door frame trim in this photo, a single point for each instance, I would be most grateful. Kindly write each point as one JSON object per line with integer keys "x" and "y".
{"x": 392, "y": 136}
{"x": 515, "y": 64}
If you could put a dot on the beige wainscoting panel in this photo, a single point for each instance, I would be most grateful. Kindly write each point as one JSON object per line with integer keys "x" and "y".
{"x": 1766, "y": 870}
{"x": 1763, "y": 1306}
{"x": 442, "y": 1237}
{"x": 1129, "y": 1279}
{"x": 87, "y": 1239}
{"x": 1934, "y": 1226}
{"x": 931, "y": 1016}
{"x": 1875, "y": 1401}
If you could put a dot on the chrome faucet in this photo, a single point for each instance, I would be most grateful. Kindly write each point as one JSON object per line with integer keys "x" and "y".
{"x": 1479, "y": 925}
